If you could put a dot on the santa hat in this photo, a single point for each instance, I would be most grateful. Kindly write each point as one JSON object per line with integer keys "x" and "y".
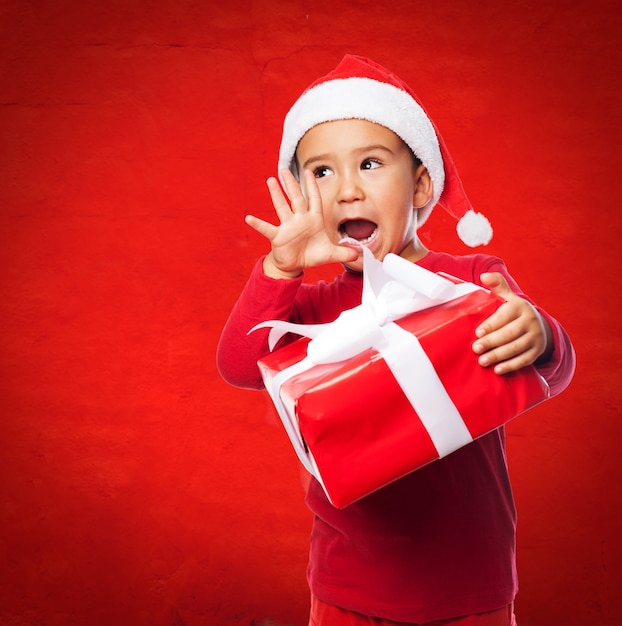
{"x": 358, "y": 88}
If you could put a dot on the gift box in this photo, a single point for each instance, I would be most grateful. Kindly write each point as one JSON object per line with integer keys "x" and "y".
{"x": 393, "y": 384}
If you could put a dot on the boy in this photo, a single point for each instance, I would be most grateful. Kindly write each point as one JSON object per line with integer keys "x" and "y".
{"x": 362, "y": 164}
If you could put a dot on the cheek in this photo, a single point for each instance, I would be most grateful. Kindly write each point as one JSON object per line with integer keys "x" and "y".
{"x": 403, "y": 212}
{"x": 331, "y": 227}
{"x": 327, "y": 201}
{"x": 405, "y": 225}
{"x": 330, "y": 218}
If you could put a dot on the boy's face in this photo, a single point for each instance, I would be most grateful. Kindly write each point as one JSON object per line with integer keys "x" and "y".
{"x": 369, "y": 185}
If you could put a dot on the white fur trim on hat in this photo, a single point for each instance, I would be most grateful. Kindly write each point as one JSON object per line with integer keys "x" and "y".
{"x": 374, "y": 101}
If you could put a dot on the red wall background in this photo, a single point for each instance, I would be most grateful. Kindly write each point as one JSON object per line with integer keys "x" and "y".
{"x": 136, "y": 487}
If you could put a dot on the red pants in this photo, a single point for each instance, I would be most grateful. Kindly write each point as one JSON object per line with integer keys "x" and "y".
{"x": 326, "y": 615}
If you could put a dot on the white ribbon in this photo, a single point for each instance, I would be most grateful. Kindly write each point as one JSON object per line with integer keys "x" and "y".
{"x": 392, "y": 289}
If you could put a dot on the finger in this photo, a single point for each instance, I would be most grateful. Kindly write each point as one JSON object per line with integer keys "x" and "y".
{"x": 343, "y": 254}
{"x": 279, "y": 201}
{"x": 263, "y": 228}
{"x": 506, "y": 349}
{"x": 496, "y": 282}
{"x": 504, "y": 315}
{"x": 520, "y": 352}
{"x": 515, "y": 363}
{"x": 294, "y": 192}
{"x": 313, "y": 192}
{"x": 506, "y": 335}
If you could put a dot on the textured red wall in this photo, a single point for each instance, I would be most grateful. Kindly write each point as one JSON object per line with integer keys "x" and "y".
{"x": 136, "y": 487}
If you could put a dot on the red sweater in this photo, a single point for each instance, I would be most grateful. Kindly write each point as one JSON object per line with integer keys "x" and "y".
{"x": 436, "y": 544}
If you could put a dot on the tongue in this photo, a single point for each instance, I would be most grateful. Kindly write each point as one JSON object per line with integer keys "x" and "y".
{"x": 359, "y": 229}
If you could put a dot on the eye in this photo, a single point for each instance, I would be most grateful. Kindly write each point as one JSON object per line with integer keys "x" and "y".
{"x": 322, "y": 171}
{"x": 370, "y": 164}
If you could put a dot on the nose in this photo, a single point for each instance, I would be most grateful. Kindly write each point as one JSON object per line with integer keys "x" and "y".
{"x": 350, "y": 187}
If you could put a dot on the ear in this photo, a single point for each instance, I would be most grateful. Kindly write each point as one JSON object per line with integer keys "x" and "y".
{"x": 424, "y": 187}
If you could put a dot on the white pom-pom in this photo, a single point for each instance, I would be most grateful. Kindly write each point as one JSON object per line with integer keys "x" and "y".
{"x": 474, "y": 229}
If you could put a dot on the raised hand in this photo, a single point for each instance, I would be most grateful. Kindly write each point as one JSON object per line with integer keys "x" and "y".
{"x": 300, "y": 240}
{"x": 515, "y": 335}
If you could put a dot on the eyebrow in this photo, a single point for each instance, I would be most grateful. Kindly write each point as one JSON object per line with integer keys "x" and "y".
{"x": 324, "y": 157}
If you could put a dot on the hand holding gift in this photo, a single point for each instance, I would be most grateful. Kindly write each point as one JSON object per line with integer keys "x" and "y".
{"x": 516, "y": 335}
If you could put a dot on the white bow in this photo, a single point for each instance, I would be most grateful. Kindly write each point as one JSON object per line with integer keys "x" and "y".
{"x": 392, "y": 289}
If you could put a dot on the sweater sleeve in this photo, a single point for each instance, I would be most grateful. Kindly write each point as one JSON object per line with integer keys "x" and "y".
{"x": 263, "y": 298}
{"x": 559, "y": 369}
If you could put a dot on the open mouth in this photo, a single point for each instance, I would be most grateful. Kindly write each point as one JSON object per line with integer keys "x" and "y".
{"x": 359, "y": 230}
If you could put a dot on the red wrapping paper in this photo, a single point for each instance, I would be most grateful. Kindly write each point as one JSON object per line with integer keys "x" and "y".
{"x": 356, "y": 422}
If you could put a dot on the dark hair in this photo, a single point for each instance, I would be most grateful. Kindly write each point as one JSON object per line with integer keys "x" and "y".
{"x": 416, "y": 160}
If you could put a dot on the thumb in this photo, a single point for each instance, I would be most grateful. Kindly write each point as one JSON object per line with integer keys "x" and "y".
{"x": 497, "y": 284}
